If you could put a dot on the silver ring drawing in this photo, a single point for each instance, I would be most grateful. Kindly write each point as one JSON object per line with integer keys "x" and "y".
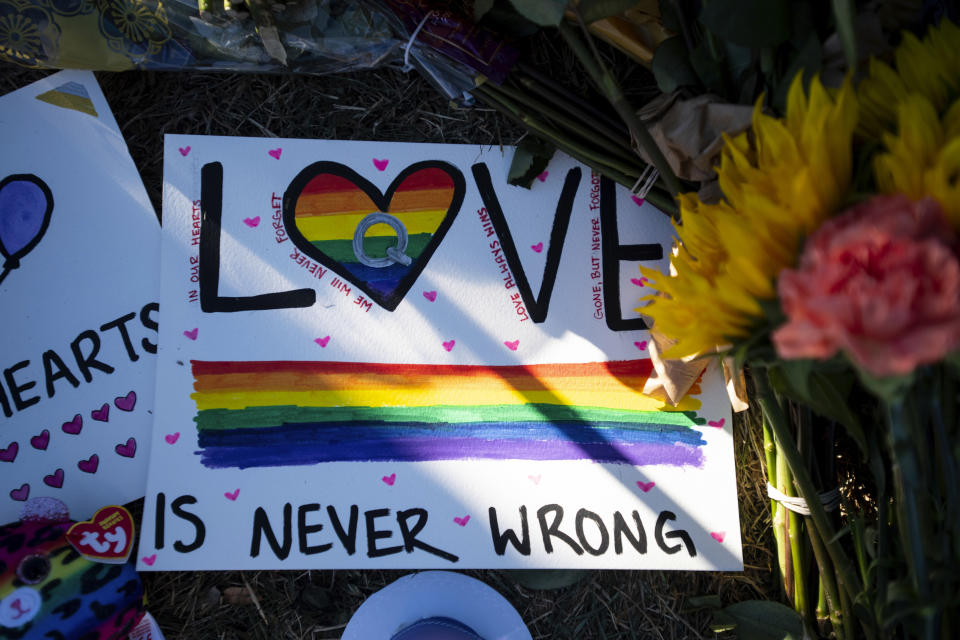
{"x": 394, "y": 254}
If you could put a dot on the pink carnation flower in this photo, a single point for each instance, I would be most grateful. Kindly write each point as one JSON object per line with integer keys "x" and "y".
{"x": 880, "y": 282}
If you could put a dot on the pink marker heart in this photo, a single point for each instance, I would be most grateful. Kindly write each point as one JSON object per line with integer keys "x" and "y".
{"x": 90, "y": 464}
{"x": 537, "y": 247}
{"x": 390, "y": 479}
{"x": 74, "y": 426}
{"x": 639, "y": 201}
{"x": 381, "y": 165}
{"x": 231, "y": 495}
{"x": 512, "y": 344}
{"x": 430, "y": 295}
{"x": 449, "y": 345}
{"x": 275, "y": 153}
{"x": 639, "y": 281}
{"x": 172, "y": 438}
{"x": 127, "y": 450}
{"x": 646, "y": 486}
{"x": 717, "y": 424}
{"x": 535, "y": 479}
{"x": 718, "y": 535}
{"x": 22, "y": 493}
{"x": 10, "y": 453}
{"x": 252, "y": 222}
{"x": 184, "y": 151}
{"x": 41, "y": 441}
{"x": 149, "y": 560}
{"x": 323, "y": 341}
{"x": 127, "y": 402}
{"x": 543, "y": 176}
{"x": 102, "y": 414}
{"x": 640, "y": 345}
{"x": 54, "y": 480}
{"x": 192, "y": 333}
{"x": 462, "y": 521}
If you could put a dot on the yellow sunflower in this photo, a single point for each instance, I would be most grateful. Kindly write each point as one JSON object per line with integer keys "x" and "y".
{"x": 779, "y": 183}
{"x": 922, "y": 157}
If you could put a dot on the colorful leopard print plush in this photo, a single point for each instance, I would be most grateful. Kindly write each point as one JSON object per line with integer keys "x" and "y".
{"x": 48, "y": 591}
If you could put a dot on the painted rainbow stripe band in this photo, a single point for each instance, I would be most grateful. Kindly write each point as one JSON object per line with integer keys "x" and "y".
{"x": 280, "y": 413}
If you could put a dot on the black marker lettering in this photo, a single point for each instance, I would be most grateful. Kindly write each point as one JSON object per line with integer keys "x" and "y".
{"x": 201, "y": 530}
{"x": 621, "y": 529}
{"x": 409, "y": 535}
{"x": 659, "y": 535}
{"x": 500, "y": 540}
{"x": 261, "y": 527}
{"x": 121, "y": 325}
{"x": 303, "y": 530}
{"x": 373, "y": 535}
{"x": 582, "y": 515}
{"x": 16, "y": 389}
{"x": 553, "y": 529}
{"x": 149, "y": 323}
{"x": 87, "y": 362}
{"x": 348, "y": 538}
{"x": 50, "y": 358}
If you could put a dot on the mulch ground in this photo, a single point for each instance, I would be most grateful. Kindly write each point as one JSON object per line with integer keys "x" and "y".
{"x": 390, "y": 106}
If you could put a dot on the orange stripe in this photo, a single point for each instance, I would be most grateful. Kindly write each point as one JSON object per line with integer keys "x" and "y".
{"x": 357, "y": 201}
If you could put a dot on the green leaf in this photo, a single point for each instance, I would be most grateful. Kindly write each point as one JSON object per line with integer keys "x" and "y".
{"x": 751, "y": 23}
{"x": 593, "y": 10}
{"x": 889, "y": 388}
{"x": 765, "y": 620}
{"x": 529, "y": 161}
{"x": 481, "y": 7}
{"x": 671, "y": 67}
{"x": 702, "y": 602}
{"x": 722, "y": 623}
{"x": 546, "y": 13}
{"x": 709, "y": 69}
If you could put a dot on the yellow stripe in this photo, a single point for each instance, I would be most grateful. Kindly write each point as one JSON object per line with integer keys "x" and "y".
{"x": 628, "y": 400}
{"x": 342, "y": 227}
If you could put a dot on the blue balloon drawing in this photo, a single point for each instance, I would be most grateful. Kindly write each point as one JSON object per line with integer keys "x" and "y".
{"x": 25, "y": 207}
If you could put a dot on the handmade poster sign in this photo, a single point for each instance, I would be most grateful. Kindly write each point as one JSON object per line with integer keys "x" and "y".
{"x": 382, "y": 355}
{"x": 79, "y": 246}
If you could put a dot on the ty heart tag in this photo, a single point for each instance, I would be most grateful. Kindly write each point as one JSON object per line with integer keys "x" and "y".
{"x": 106, "y": 537}
{"x": 336, "y": 216}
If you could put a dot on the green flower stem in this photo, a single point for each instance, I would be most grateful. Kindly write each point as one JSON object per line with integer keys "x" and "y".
{"x": 611, "y": 90}
{"x": 823, "y": 609}
{"x": 776, "y": 510}
{"x": 571, "y": 98}
{"x": 828, "y": 586}
{"x": 623, "y": 153}
{"x": 591, "y": 158}
{"x": 782, "y": 525}
{"x": 846, "y": 575}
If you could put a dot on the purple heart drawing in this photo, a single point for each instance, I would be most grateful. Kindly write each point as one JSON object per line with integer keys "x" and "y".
{"x": 89, "y": 465}
{"x": 22, "y": 493}
{"x": 74, "y": 426}
{"x": 127, "y": 402}
{"x": 54, "y": 480}
{"x": 41, "y": 441}
{"x": 10, "y": 453}
{"x": 102, "y": 414}
{"x": 127, "y": 450}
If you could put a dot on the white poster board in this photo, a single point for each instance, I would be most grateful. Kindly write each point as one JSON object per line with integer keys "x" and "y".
{"x": 79, "y": 247}
{"x": 325, "y": 404}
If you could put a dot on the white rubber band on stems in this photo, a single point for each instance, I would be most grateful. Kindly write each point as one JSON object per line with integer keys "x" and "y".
{"x": 830, "y": 500}
{"x": 645, "y": 182}
{"x": 407, "y": 67}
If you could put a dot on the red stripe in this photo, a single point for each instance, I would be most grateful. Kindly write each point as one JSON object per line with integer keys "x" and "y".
{"x": 423, "y": 179}
{"x": 618, "y": 368}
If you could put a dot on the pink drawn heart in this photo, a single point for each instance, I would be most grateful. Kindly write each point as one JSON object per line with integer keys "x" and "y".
{"x": 252, "y": 222}
{"x": 89, "y": 465}
{"x": 718, "y": 535}
{"x": 390, "y": 479}
{"x": 646, "y": 486}
{"x": 149, "y": 560}
{"x": 543, "y": 176}
{"x": 231, "y": 495}
{"x": 717, "y": 424}
{"x": 430, "y": 295}
{"x": 449, "y": 345}
{"x": 73, "y": 427}
{"x": 54, "y": 480}
{"x": 10, "y": 453}
{"x": 127, "y": 450}
{"x": 640, "y": 345}
{"x": 535, "y": 479}
{"x": 192, "y": 333}
{"x": 102, "y": 414}
{"x": 462, "y": 521}
{"x": 184, "y": 151}
{"x": 537, "y": 247}
{"x": 22, "y": 493}
{"x": 127, "y": 402}
{"x": 323, "y": 341}
{"x": 639, "y": 201}
{"x": 512, "y": 344}
{"x": 275, "y": 153}
{"x": 172, "y": 438}
{"x": 639, "y": 281}
{"x": 381, "y": 165}
{"x": 41, "y": 441}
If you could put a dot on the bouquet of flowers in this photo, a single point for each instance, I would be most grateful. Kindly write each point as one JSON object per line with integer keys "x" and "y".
{"x": 831, "y": 269}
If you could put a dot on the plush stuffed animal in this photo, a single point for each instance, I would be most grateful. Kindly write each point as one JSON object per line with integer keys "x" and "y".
{"x": 49, "y": 591}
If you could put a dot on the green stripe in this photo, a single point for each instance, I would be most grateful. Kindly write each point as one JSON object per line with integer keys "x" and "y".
{"x": 374, "y": 246}
{"x": 251, "y": 417}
